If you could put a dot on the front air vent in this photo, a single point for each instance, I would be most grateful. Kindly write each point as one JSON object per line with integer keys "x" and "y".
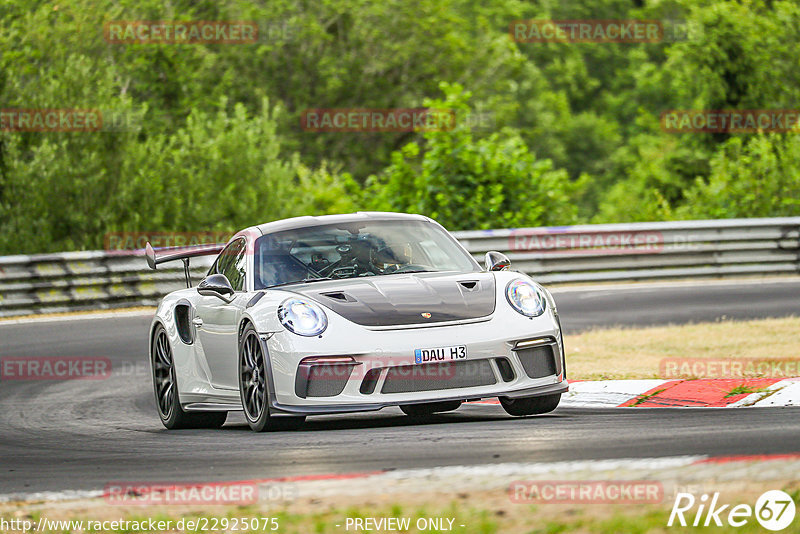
{"x": 370, "y": 381}
{"x": 538, "y": 361}
{"x": 506, "y": 371}
{"x": 340, "y": 296}
{"x": 469, "y": 285}
{"x": 433, "y": 376}
{"x": 327, "y": 380}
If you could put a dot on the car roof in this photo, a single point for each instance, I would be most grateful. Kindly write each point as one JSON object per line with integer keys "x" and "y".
{"x": 308, "y": 220}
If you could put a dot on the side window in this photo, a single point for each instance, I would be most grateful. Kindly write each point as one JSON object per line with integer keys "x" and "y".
{"x": 231, "y": 263}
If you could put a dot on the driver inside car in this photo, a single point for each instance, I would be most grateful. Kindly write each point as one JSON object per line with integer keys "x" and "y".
{"x": 390, "y": 258}
{"x": 362, "y": 252}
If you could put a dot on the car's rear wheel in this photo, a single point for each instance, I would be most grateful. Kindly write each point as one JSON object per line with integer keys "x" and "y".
{"x": 165, "y": 386}
{"x": 530, "y": 405}
{"x": 254, "y": 386}
{"x": 429, "y": 408}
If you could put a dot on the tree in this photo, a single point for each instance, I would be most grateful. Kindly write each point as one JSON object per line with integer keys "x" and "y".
{"x": 464, "y": 183}
{"x": 755, "y": 177}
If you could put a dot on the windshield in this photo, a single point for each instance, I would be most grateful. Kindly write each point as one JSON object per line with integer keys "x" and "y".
{"x": 356, "y": 249}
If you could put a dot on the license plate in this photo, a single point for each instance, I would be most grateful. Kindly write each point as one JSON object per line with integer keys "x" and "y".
{"x": 440, "y": 354}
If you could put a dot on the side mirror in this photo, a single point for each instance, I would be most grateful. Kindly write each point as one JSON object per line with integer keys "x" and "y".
{"x": 216, "y": 285}
{"x": 496, "y": 261}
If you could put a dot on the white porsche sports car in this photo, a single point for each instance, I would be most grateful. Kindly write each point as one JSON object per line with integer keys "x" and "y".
{"x": 346, "y": 313}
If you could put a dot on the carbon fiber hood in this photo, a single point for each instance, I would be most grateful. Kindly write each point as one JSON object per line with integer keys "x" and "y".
{"x": 396, "y": 300}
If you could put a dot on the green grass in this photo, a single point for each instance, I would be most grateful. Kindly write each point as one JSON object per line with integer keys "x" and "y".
{"x": 625, "y": 353}
{"x": 645, "y": 397}
{"x": 744, "y": 390}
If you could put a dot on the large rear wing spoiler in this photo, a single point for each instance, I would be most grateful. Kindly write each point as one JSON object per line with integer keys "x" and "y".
{"x": 180, "y": 253}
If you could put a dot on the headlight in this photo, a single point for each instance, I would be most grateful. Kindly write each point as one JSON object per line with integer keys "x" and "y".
{"x": 550, "y": 300}
{"x": 526, "y": 298}
{"x": 302, "y": 317}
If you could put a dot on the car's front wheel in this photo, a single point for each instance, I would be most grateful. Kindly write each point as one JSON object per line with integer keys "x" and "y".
{"x": 429, "y": 408}
{"x": 166, "y": 389}
{"x": 254, "y": 386}
{"x": 530, "y": 405}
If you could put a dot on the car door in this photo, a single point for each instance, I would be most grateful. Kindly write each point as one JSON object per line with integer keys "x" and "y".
{"x": 217, "y": 321}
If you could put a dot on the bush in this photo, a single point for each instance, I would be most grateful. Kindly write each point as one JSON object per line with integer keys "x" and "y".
{"x": 465, "y": 183}
{"x": 755, "y": 177}
{"x": 222, "y": 171}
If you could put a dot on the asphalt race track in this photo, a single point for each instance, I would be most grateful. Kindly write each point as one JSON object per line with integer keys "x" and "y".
{"x": 676, "y": 302}
{"x": 83, "y": 434}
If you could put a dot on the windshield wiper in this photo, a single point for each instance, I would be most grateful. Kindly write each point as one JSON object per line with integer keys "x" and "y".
{"x": 412, "y": 271}
{"x": 303, "y": 281}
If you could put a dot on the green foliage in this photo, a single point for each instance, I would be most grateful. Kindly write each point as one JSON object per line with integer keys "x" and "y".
{"x": 221, "y": 171}
{"x": 736, "y": 56}
{"x": 577, "y": 136}
{"x": 473, "y": 184}
{"x": 759, "y": 177}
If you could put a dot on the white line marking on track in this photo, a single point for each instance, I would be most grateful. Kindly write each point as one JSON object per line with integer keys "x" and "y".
{"x": 79, "y": 317}
{"x": 669, "y": 285}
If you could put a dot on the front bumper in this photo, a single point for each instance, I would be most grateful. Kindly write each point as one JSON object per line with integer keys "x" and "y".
{"x": 561, "y": 387}
{"x": 506, "y": 356}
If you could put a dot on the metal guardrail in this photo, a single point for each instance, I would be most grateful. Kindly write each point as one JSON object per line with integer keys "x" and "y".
{"x": 646, "y": 251}
{"x": 74, "y": 281}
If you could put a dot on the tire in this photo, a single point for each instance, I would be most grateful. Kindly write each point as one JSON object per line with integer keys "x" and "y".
{"x": 429, "y": 408}
{"x": 530, "y": 405}
{"x": 254, "y": 386}
{"x": 165, "y": 387}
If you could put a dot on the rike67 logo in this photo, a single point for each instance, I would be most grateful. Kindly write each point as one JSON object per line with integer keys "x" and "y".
{"x": 774, "y": 510}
